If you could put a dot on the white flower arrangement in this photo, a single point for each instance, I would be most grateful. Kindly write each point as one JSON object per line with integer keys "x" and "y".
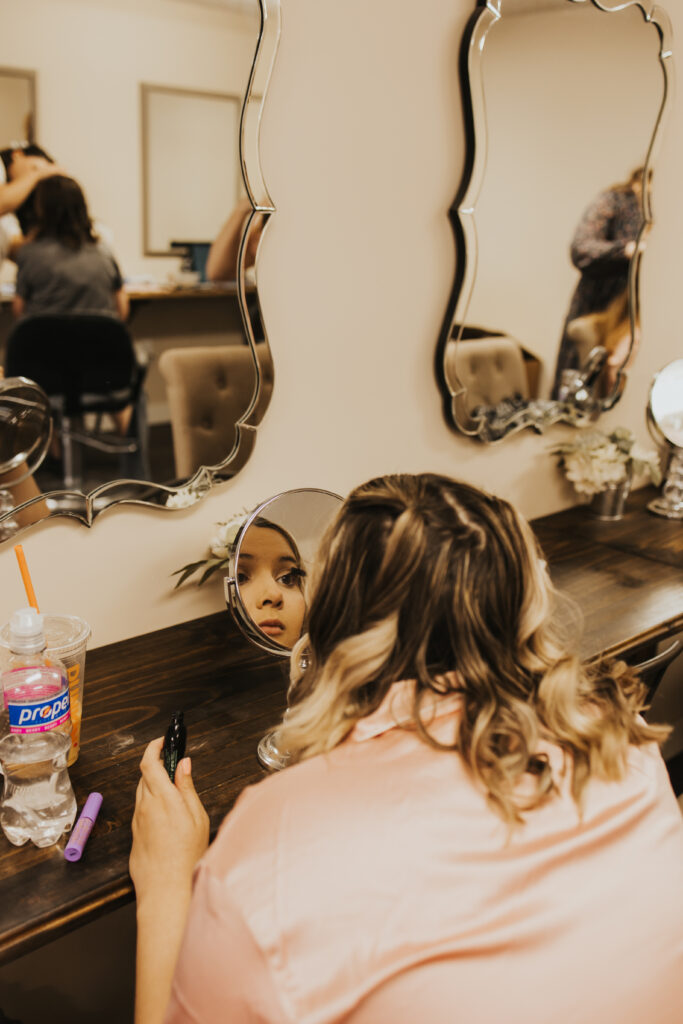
{"x": 594, "y": 461}
{"x": 182, "y": 498}
{"x": 221, "y": 546}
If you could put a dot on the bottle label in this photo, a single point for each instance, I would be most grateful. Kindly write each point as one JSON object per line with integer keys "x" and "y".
{"x": 37, "y": 700}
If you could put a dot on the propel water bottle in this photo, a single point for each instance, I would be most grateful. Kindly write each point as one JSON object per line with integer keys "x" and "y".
{"x": 38, "y": 802}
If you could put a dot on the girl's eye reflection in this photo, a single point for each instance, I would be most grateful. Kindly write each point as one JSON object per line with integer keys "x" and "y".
{"x": 292, "y": 578}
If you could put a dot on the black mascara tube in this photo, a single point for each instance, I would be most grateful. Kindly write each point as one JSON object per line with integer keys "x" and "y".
{"x": 174, "y": 744}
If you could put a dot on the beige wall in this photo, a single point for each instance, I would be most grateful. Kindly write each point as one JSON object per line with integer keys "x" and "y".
{"x": 362, "y": 149}
{"x": 90, "y": 57}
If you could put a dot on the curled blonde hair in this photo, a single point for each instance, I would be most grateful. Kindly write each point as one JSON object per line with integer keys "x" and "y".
{"x": 423, "y": 576}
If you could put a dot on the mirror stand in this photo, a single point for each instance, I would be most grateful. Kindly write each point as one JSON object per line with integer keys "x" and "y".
{"x": 665, "y": 422}
{"x": 670, "y": 502}
{"x": 269, "y": 755}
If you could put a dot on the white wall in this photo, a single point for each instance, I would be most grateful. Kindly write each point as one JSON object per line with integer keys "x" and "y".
{"x": 362, "y": 148}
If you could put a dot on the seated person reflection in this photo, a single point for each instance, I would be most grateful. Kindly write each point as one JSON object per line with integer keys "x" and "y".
{"x": 602, "y": 249}
{"x": 270, "y": 580}
{"x": 475, "y": 826}
{"x": 63, "y": 267}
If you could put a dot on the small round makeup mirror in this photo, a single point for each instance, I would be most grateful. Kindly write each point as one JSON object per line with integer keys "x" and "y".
{"x": 269, "y": 567}
{"x": 271, "y": 560}
{"x": 25, "y": 429}
{"x": 665, "y": 420}
{"x": 25, "y": 432}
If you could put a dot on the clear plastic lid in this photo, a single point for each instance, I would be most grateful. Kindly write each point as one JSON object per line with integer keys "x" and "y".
{"x": 26, "y": 632}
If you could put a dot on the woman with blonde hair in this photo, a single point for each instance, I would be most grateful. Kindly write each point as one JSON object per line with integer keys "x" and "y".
{"x": 475, "y": 826}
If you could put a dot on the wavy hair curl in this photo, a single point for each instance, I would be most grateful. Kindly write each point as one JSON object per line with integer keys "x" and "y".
{"x": 420, "y": 577}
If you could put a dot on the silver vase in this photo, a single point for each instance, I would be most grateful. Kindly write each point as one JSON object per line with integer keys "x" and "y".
{"x": 609, "y": 504}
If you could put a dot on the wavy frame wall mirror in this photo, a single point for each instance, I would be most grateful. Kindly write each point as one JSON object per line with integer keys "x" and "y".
{"x": 206, "y": 122}
{"x": 563, "y": 100}
{"x": 235, "y": 360}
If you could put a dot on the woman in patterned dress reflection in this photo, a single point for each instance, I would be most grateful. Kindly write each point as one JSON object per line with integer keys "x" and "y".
{"x": 602, "y": 248}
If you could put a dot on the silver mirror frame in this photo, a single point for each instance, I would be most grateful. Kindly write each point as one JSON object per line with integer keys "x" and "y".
{"x": 540, "y": 413}
{"x": 670, "y": 502}
{"x": 231, "y": 587}
{"x": 86, "y": 507}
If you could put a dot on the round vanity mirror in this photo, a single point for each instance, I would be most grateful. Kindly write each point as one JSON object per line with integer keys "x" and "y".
{"x": 269, "y": 569}
{"x": 25, "y": 429}
{"x": 665, "y": 419}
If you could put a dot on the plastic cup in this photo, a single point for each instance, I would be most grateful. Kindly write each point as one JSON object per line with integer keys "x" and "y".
{"x": 67, "y": 637}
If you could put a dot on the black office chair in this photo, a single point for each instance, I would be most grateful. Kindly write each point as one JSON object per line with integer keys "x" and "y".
{"x": 86, "y": 365}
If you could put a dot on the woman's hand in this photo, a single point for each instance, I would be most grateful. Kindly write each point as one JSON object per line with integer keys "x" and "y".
{"x": 170, "y": 833}
{"x": 170, "y": 828}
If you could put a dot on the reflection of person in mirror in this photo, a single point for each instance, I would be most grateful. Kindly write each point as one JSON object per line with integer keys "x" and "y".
{"x": 221, "y": 263}
{"x": 467, "y": 804}
{"x": 21, "y": 168}
{"x": 270, "y": 579}
{"x": 602, "y": 249}
{"x": 63, "y": 267}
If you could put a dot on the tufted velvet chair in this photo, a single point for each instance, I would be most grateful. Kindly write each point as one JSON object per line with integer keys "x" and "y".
{"x": 208, "y": 389}
{"x": 490, "y": 368}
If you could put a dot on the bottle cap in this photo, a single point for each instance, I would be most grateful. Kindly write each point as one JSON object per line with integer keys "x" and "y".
{"x": 26, "y": 633}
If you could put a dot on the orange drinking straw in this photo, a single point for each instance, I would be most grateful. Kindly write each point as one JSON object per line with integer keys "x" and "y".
{"x": 26, "y": 577}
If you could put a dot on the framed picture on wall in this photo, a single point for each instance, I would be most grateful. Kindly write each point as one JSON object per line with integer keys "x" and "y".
{"x": 190, "y": 164}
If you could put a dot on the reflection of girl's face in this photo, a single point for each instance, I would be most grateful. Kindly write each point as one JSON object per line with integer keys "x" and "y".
{"x": 270, "y": 582}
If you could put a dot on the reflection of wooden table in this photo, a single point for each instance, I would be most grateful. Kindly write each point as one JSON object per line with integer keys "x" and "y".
{"x": 178, "y": 315}
{"x": 137, "y": 293}
{"x": 625, "y": 577}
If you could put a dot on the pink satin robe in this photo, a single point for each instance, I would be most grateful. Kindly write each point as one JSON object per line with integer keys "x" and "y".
{"x": 373, "y": 885}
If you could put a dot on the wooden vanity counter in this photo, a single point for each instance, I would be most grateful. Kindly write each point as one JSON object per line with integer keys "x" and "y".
{"x": 626, "y": 578}
{"x": 231, "y": 695}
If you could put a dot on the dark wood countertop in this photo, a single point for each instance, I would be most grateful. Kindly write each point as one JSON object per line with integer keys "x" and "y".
{"x": 624, "y": 576}
{"x": 634, "y": 534}
{"x": 231, "y": 695}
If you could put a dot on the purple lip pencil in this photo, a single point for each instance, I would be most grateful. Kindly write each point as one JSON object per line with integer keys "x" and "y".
{"x": 83, "y": 827}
